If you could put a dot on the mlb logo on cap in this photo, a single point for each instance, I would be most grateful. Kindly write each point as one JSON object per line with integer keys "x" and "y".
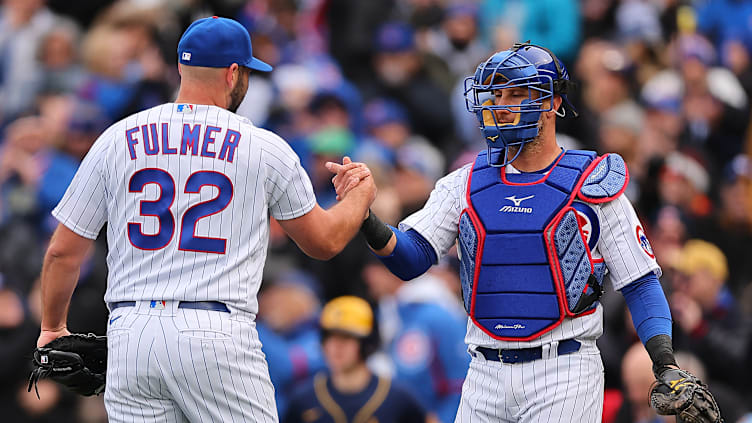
{"x": 186, "y": 56}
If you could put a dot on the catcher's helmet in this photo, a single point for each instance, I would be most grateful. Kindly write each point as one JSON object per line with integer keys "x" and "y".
{"x": 351, "y": 316}
{"x": 524, "y": 65}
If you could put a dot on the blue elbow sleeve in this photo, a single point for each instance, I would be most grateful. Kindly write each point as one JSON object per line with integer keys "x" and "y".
{"x": 647, "y": 304}
{"x": 412, "y": 255}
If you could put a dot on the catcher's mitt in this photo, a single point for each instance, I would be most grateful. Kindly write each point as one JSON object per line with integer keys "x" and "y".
{"x": 678, "y": 392}
{"x": 77, "y": 361}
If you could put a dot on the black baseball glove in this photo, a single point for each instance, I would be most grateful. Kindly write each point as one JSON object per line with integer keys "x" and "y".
{"x": 678, "y": 392}
{"x": 77, "y": 361}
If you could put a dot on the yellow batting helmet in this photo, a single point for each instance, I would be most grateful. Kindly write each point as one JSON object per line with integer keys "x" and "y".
{"x": 348, "y": 314}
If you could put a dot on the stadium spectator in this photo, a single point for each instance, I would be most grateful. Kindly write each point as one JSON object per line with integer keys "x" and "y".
{"x": 730, "y": 228}
{"x": 714, "y": 103}
{"x": 349, "y": 391}
{"x": 23, "y": 24}
{"x": 708, "y": 321}
{"x": 58, "y": 55}
{"x": 403, "y": 75}
{"x": 637, "y": 374}
{"x": 684, "y": 182}
{"x": 457, "y": 43}
{"x": 415, "y": 164}
{"x": 422, "y": 337}
{"x": 289, "y": 307}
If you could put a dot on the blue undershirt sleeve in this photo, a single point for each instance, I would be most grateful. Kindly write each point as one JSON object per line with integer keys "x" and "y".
{"x": 412, "y": 255}
{"x": 647, "y": 304}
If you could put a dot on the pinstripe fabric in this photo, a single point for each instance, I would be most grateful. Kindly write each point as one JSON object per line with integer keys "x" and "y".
{"x": 186, "y": 365}
{"x": 179, "y": 365}
{"x": 562, "y": 389}
{"x": 267, "y": 180}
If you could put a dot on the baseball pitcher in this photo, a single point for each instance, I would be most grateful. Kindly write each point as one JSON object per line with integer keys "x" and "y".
{"x": 187, "y": 190}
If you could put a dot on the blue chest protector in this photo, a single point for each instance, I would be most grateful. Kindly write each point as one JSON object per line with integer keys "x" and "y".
{"x": 525, "y": 262}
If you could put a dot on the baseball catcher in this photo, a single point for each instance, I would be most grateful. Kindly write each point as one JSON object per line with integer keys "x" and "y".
{"x": 537, "y": 228}
{"x": 678, "y": 392}
{"x": 77, "y": 361}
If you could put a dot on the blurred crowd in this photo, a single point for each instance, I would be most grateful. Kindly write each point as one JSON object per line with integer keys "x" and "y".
{"x": 665, "y": 83}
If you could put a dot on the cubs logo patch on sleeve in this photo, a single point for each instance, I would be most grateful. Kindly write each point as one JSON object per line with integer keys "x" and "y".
{"x": 644, "y": 243}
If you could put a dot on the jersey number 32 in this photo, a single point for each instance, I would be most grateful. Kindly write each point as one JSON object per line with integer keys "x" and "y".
{"x": 161, "y": 209}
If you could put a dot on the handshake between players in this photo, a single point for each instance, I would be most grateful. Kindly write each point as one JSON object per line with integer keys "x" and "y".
{"x": 675, "y": 391}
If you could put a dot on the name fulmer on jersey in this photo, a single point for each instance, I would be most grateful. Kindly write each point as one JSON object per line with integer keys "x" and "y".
{"x": 153, "y": 139}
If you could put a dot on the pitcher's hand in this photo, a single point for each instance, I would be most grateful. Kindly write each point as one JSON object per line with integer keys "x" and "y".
{"x": 347, "y": 175}
{"x": 47, "y": 336}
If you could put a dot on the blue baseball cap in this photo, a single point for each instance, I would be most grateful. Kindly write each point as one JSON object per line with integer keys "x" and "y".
{"x": 395, "y": 37}
{"x": 382, "y": 111}
{"x": 218, "y": 43}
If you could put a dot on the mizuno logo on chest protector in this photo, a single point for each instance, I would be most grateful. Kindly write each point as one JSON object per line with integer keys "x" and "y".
{"x": 517, "y": 201}
{"x": 516, "y": 208}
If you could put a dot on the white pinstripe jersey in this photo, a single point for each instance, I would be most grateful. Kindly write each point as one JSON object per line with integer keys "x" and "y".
{"x": 186, "y": 191}
{"x": 621, "y": 244}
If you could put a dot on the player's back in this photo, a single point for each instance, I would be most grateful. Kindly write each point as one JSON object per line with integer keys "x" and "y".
{"x": 188, "y": 191}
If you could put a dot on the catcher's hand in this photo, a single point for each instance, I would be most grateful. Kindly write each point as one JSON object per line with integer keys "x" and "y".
{"x": 678, "y": 392}
{"x": 77, "y": 361}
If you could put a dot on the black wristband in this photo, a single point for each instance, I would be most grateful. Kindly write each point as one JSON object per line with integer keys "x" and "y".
{"x": 377, "y": 233}
{"x": 661, "y": 353}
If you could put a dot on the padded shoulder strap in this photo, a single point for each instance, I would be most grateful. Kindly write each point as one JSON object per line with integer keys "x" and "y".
{"x": 605, "y": 179}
